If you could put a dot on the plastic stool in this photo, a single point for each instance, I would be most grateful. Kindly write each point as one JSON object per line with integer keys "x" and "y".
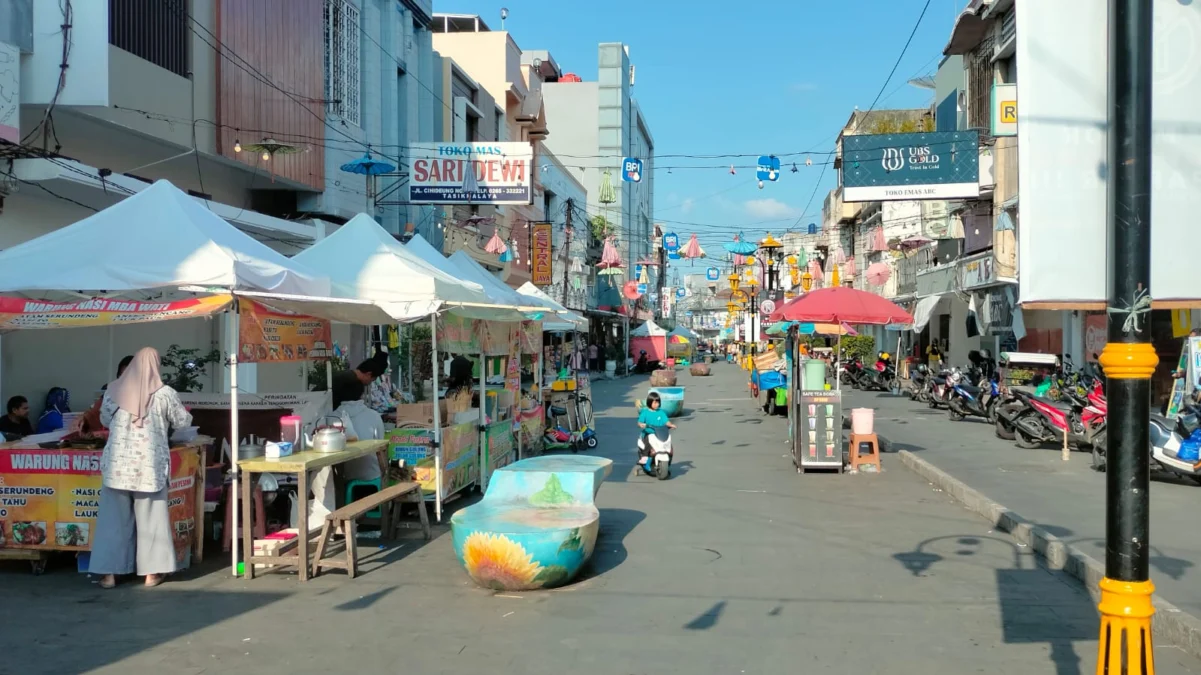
{"x": 872, "y": 457}
{"x": 375, "y": 483}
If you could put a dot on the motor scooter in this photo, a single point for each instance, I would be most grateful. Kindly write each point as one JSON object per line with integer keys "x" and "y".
{"x": 1167, "y": 438}
{"x": 881, "y": 377}
{"x": 917, "y": 383}
{"x": 850, "y": 371}
{"x": 655, "y": 452}
{"x": 965, "y": 400}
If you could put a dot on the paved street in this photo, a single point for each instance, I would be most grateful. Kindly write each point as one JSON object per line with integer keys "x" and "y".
{"x": 735, "y": 565}
{"x": 1065, "y": 498}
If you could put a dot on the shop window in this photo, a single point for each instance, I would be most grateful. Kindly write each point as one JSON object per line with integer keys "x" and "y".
{"x": 342, "y": 60}
{"x": 153, "y": 30}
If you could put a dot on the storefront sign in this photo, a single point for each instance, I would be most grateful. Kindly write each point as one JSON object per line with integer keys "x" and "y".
{"x": 542, "y": 261}
{"x": 1004, "y": 110}
{"x": 49, "y": 499}
{"x": 934, "y": 165}
{"x": 977, "y": 271}
{"x": 1095, "y": 336}
{"x": 22, "y": 314}
{"x": 410, "y": 445}
{"x": 269, "y": 336}
{"x": 470, "y": 173}
{"x": 671, "y": 242}
{"x": 712, "y": 274}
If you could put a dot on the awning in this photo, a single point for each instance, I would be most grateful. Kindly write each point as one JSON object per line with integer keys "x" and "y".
{"x": 924, "y": 310}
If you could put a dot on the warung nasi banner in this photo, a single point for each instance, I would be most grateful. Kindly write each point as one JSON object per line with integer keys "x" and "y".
{"x": 470, "y": 173}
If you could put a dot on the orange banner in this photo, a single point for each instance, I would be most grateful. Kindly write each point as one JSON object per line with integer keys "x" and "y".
{"x": 266, "y": 335}
{"x": 542, "y": 260}
{"x": 49, "y": 498}
{"x": 22, "y": 314}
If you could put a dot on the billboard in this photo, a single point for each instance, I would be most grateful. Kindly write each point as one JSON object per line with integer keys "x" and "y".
{"x": 931, "y": 165}
{"x": 470, "y": 173}
{"x": 541, "y": 260}
{"x": 1063, "y": 159}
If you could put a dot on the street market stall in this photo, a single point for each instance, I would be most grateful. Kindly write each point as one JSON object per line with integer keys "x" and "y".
{"x": 651, "y": 338}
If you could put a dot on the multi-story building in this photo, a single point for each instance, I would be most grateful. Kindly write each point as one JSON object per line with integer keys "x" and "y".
{"x": 608, "y": 126}
{"x": 252, "y": 119}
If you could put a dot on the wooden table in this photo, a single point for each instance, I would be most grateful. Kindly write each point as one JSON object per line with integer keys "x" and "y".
{"x": 299, "y": 464}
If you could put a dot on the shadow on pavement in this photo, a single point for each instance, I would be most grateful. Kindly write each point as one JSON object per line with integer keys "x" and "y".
{"x": 708, "y": 619}
{"x": 610, "y": 551}
{"x": 1038, "y": 606}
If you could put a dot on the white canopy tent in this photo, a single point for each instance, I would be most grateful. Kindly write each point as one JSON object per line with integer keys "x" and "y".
{"x": 567, "y": 320}
{"x": 363, "y": 261}
{"x": 649, "y": 329}
{"x": 505, "y": 306}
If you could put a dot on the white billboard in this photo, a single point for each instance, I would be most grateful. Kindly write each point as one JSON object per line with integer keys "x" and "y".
{"x": 471, "y": 173}
{"x": 1062, "y": 158}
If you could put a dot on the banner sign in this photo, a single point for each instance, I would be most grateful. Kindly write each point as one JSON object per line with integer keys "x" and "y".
{"x": 457, "y": 335}
{"x": 266, "y": 335}
{"x": 934, "y": 165}
{"x": 49, "y": 499}
{"x": 470, "y": 173}
{"x": 501, "y": 445}
{"x": 541, "y": 258}
{"x": 22, "y": 314}
{"x": 460, "y": 460}
{"x": 712, "y": 274}
{"x": 495, "y": 337}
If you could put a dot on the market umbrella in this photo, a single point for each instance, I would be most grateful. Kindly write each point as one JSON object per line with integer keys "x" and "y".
{"x": 878, "y": 274}
{"x": 692, "y": 249}
{"x": 740, "y": 247}
{"x": 842, "y": 305}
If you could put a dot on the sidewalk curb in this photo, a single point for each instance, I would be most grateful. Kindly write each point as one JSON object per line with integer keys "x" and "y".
{"x": 1171, "y": 623}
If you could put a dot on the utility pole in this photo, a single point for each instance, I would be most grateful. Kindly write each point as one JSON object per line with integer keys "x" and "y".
{"x": 567, "y": 248}
{"x": 1129, "y": 359}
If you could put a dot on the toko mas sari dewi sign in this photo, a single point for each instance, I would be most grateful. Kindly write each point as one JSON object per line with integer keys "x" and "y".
{"x": 470, "y": 173}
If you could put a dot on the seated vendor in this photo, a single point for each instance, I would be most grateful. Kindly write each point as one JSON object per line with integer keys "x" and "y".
{"x": 361, "y": 423}
{"x": 89, "y": 422}
{"x": 58, "y": 403}
{"x": 15, "y": 423}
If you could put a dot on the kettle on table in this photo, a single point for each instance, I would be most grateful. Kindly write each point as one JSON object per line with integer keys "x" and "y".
{"x": 328, "y": 437}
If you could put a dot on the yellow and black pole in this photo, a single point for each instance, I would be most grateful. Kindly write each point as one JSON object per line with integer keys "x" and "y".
{"x": 1128, "y": 358}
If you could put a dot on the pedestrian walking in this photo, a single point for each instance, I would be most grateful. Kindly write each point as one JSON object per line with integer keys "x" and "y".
{"x": 594, "y": 356}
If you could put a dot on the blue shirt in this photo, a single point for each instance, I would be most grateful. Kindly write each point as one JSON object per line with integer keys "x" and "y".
{"x": 652, "y": 418}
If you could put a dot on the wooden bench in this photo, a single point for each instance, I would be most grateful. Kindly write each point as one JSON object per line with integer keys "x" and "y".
{"x": 389, "y": 500}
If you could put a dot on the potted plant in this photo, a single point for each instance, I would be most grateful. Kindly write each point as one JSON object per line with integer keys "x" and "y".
{"x": 612, "y": 356}
{"x": 184, "y": 369}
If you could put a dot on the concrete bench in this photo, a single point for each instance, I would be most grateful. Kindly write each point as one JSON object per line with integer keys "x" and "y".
{"x": 536, "y": 525}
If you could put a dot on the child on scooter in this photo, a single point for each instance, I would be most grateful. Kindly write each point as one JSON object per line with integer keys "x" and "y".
{"x": 651, "y": 416}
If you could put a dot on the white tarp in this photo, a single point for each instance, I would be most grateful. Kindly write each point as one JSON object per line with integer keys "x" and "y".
{"x": 924, "y": 311}
{"x": 1063, "y": 158}
{"x": 503, "y": 299}
{"x": 648, "y": 329}
{"x": 564, "y": 320}
{"x": 364, "y": 262}
{"x": 159, "y": 238}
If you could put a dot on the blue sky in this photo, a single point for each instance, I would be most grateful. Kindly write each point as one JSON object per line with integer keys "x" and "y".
{"x": 781, "y": 78}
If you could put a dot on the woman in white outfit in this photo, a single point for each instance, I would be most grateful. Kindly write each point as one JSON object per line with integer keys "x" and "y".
{"x": 362, "y": 423}
{"x": 133, "y": 528}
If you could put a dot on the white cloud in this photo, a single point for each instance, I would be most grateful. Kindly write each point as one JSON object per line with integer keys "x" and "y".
{"x": 769, "y": 209}
{"x": 686, "y": 205}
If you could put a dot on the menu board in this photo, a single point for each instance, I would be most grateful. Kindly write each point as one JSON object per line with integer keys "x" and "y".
{"x": 49, "y": 499}
{"x": 818, "y": 443}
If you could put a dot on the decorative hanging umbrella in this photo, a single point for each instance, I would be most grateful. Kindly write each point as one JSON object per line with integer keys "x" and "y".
{"x": 839, "y": 256}
{"x": 692, "y": 249}
{"x": 268, "y": 148}
{"x": 577, "y": 265}
{"x": 878, "y": 243}
{"x": 878, "y": 273}
{"x": 506, "y": 255}
{"x": 369, "y": 167}
{"x": 802, "y": 258}
{"x": 471, "y": 185}
{"x": 630, "y": 290}
{"x": 815, "y": 270}
{"x": 496, "y": 245}
{"x": 607, "y": 194}
{"x": 644, "y": 277}
{"x": 740, "y": 247}
{"x": 610, "y": 258}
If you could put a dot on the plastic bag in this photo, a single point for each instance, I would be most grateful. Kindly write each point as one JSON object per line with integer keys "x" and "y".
{"x": 1190, "y": 449}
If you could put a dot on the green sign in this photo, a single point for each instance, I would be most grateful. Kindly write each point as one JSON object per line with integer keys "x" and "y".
{"x": 890, "y": 167}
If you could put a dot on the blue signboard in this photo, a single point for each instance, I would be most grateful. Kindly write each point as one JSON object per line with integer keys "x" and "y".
{"x": 712, "y": 274}
{"x": 671, "y": 242}
{"x": 768, "y": 168}
{"x": 637, "y": 270}
{"x": 674, "y": 255}
{"x": 934, "y": 165}
{"x": 641, "y": 289}
{"x": 681, "y": 292}
{"x": 631, "y": 170}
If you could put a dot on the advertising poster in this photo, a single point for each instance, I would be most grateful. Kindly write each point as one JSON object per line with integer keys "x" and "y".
{"x": 49, "y": 499}
{"x": 930, "y": 165}
{"x": 457, "y": 335}
{"x": 410, "y": 445}
{"x": 460, "y": 460}
{"x": 542, "y": 260}
{"x": 470, "y": 173}
{"x": 22, "y": 314}
{"x": 500, "y": 445}
{"x": 269, "y": 336}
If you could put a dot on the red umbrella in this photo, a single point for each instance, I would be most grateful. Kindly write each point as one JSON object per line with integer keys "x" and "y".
{"x": 841, "y": 305}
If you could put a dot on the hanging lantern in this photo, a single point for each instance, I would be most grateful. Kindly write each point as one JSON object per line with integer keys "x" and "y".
{"x": 807, "y": 280}
{"x": 834, "y": 280}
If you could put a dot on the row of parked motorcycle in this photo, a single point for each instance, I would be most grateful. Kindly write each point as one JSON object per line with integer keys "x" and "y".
{"x": 1058, "y": 399}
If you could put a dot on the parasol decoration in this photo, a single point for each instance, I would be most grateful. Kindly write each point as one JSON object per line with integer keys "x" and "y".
{"x": 815, "y": 271}
{"x": 839, "y": 256}
{"x": 577, "y": 265}
{"x": 740, "y": 247}
{"x": 850, "y": 270}
{"x": 370, "y": 168}
{"x": 607, "y": 194}
{"x": 878, "y": 242}
{"x": 471, "y": 184}
{"x": 610, "y": 258}
{"x": 496, "y": 245}
{"x": 692, "y": 249}
{"x": 630, "y": 290}
{"x": 268, "y": 148}
{"x": 878, "y": 274}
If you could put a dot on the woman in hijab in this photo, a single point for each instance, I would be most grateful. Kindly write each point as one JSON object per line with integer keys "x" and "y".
{"x": 58, "y": 402}
{"x": 133, "y": 528}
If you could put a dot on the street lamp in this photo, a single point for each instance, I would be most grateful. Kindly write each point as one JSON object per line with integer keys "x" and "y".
{"x": 734, "y": 280}
{"x": 773, "y": 254}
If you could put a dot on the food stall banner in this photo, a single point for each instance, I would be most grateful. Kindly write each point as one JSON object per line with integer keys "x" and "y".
{"x": 531, "y": 337}
{"x": 496, "y": 336}
{"x": 460, "y": 460}
{"x": 49, "y": 499}
{"x": 501, "y": 445}
{"x": 24, "y": 314}
{"x": 267, "y": 335}
{"x": 541, "y": 259}
{"x": 457, "y": 335}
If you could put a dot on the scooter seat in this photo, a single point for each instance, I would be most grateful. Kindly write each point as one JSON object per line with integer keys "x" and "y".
{"x": 1059, "y": 405}
{"x": 938, "y": 380}
{"x": 971, "y": 390}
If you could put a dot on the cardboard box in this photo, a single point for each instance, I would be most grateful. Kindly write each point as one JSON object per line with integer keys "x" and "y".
{"x": 421, "y": 413}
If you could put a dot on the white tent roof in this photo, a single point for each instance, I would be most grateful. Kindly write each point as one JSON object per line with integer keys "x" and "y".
{"x": 683, "y": 331}
{"x": 566, "y": 319}
{"x": 159, "y": 238}
{"x": 648, "y": 329}
{"x": 504, "y": 298}
{"x": 364, "y": 261}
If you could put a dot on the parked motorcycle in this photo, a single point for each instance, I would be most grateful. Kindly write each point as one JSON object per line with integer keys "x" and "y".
{"x": 850, "y": 371}
{"x": 881, "y": 377}
{"x": 964, "y": 399}
{"x": 1167, "y": 437}
{"x": 655, "y": 452}
{"x": 917, "y": 383}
